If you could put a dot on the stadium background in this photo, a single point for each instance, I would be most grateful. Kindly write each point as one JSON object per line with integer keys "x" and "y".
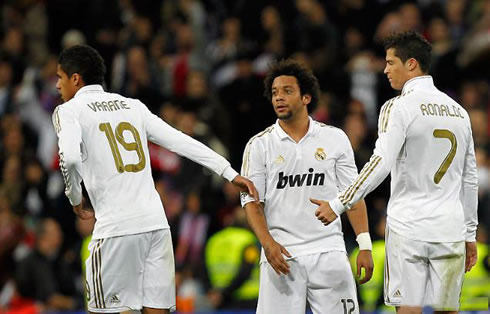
{"x": 199, "y": 64}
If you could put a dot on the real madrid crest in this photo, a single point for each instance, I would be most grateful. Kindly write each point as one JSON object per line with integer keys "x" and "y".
{"x": 320, "y": 154}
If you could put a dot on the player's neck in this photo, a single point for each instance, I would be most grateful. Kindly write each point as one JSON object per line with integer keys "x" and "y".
{"x": 296, "y": 128}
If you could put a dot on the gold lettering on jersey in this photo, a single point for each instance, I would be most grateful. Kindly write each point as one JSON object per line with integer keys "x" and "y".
{"x": 111, "y": 105}
{"x": 441, "y": 110}
{"x": 320, "y": 154}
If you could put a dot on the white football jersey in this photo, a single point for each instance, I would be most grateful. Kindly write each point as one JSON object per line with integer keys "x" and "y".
{"x": 287, "y": 174}
{"x": 103, "y": 140}
{"x": 425, "y": 140}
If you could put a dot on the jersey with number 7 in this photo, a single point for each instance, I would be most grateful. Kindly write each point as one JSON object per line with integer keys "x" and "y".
{"x": 103, "y": 140}
{"x": 425, "y": 140}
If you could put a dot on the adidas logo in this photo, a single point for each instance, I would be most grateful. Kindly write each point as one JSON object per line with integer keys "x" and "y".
{"x": 279, "y": 160}
{"x": 114, "y": 299}
{"x": 397, "y": 294}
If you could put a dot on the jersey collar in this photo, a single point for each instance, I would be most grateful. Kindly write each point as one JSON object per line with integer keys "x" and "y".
{"x": 283, "y": 135}
{"x": 418, "y": 81}
{"x": 88, "y": 89}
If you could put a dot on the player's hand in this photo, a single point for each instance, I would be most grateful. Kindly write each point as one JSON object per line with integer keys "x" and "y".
{"x": 247, "y": 186}
{"x": 365, "y": 260}
{"x": 274, "y": 254}
{"x": 471, "y": 256}
{"x": 84, "y": 214}
{"x": 324, "y": 213}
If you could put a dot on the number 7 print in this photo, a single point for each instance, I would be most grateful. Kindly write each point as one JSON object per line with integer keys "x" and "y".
{"x": 440, "y": 133}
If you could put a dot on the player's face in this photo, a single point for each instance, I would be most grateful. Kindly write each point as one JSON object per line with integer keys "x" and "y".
{"x": 67, "y": 86}
{"x": 396, "y": 71}
{"x": 286, "y": 97}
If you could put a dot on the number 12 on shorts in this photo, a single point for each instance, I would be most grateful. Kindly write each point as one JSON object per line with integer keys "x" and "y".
{"x": 349, "y": 305}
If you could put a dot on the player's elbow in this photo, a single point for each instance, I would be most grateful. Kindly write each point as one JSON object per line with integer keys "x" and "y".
{"x": 69, "y": 160}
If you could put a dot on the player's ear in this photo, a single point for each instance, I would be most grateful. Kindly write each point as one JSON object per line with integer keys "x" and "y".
{"x": 412, "y": 64}
{"x": 77, "y": 79}
{"x": 306, "y": 99}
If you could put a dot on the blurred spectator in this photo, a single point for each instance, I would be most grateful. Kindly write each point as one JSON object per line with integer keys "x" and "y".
{"x": 438, "y": 34}
{"x": 455, "y": 13}
{"x": 207, "y": 105}
{"x": 363, "y": 70}
{"x": 71, "y": 38}
{"x": 192, "y": 233}
{"x": 12, "y": 185}
{"x": 227, "y": 202}
{"x": 356, "y": 129}
{"x": 315, "y": 34}
{"x": 6, "y": 90}
{"x": 228, "y": 45}
{"x": 245, "y": 102}
{"x": 273, "y": 32}
{"x": 479, "y": 126}
{"x": 232, "y": 265}
{"x": 13, "y": 46}
{"x": 43, "y": 276}
{"x": 35, "y": 101}
{"x": 475, "y": 45}
{"x": 140, "y": 78}
{"x": 35, "y": 188}
{"x": 11, "y": 233}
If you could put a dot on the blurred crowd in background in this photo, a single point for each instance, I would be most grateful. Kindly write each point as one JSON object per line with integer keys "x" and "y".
{"x": 200, "y": 64}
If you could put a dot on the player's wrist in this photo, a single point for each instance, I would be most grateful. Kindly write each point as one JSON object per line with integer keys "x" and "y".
{"x": 337, "y": 207}
{"x": 364, "y": 241}
{"x": 230, "y": 174}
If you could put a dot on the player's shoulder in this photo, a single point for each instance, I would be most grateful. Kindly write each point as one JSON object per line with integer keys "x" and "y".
{"x": 128, "y": 101}
{"x": 263, "y": 135}
{"x": 400, "y": 104}
{"x": 68, "y": 107}
{"x": 329, "y": 130}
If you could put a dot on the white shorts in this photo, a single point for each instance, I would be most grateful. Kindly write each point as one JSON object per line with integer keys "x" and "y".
{"x": 130, "y": 272}
{"x": 419, "y": 273}
{"x": 324, "y": 279}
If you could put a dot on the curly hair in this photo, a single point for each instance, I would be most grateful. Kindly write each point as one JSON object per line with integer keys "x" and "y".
{"x": 307, "y": 82}
{"x": 410, "y": 45}
{"x": 85, "y": 61}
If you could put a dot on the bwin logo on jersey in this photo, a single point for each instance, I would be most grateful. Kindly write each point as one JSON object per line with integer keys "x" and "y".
{"x": 298, "y": 180}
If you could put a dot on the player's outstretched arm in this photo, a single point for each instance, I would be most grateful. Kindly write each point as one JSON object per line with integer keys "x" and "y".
{"x": 273, "y": 251}
{"x": 358, "y": 219}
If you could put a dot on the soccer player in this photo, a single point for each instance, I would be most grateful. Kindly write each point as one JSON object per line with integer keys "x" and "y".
{"x": 425, "y": 140}
{"x": 103, "y": 142}
{"x": 289, "y": 162}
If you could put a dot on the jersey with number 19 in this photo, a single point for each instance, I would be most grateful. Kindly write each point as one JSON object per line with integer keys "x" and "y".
{"x": 103, "y": 141}
{"x": 425, "y": 140}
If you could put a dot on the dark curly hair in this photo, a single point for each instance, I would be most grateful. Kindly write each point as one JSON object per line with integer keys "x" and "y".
{"x": 411, "y": 45}
{"x": 85, "y": 61}
{"x": 307, "y": 82}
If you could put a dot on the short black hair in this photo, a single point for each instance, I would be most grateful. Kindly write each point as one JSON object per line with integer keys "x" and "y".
{"x": 85, "y": 61}
{"x": 411, "y": 45}
{"x": 307, "y": 81}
